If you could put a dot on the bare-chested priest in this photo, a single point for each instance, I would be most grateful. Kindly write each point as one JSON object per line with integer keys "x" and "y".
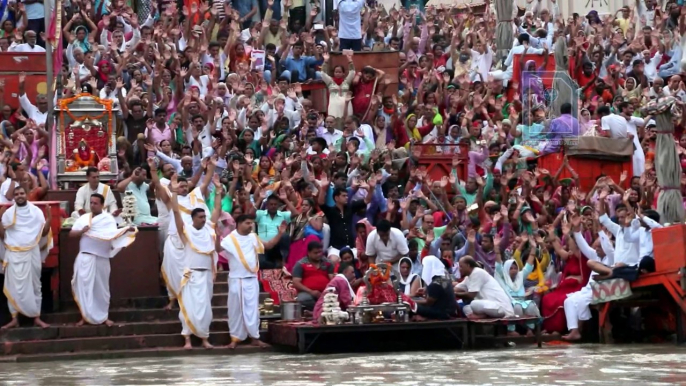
{"x": 100, "y": 241}
{"x": 27, "y": 240}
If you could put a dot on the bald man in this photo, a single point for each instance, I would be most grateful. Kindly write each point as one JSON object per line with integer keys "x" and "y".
{"x": 488, "y": 299}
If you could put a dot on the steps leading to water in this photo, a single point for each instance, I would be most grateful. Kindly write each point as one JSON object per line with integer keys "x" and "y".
{"x": 142, "y": 328}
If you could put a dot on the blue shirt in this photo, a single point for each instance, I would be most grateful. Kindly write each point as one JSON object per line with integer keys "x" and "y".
{"x": 268, "y": 227}
{"x": 565, "y": 126}
{"x": 292, "y": 64}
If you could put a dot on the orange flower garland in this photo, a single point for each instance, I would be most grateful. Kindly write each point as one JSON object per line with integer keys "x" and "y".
{"x": 64, "y": 108}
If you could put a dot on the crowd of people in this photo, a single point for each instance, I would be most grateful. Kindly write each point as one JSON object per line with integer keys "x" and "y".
{"x": 214, "y": 124}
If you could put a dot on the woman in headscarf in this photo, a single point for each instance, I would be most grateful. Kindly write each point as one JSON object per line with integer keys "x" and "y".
{"x": 439, "y": 296}
{"x": 531, "y": 80}
{"x": 237, "y": 55}
{"x": 265, "y": 165}
{"x": 302, "y": 230}
{"x": 246, "y": 140}
{"x": 81, "y": 41}
{"x": 410, "y": 283}
{"x": 104, "y": 70}
{"x": 574, "y": 277}
{"x": 631, "y": 89}
{"x": 511, "y": 279}
{"x": 382, "y": 132}
{"x": 340, "y": 285}
{"x": 363, "y": 228}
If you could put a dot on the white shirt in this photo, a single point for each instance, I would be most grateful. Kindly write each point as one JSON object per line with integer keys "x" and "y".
{"x": 639, "y": 234}
{"x": 83, "y": 196}
{"x": 350, "y": 19}
{"x": 4, "y": 188}
{"x": 32, "y": 111}
{"x": 481, "y": 63}
{"x": 384, "y": 252}
{"x": 331, "y": 138}
{"x": 625, "y": 252}
{"x": 616, "y": 125}
{"x": 650, "y": 68}
{"x": 519, "y": 50}
{"x": 25, "y": 47}
{"x": 487, "y": 288}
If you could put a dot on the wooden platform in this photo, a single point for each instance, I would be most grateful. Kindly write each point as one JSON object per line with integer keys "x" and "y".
{"x": 461, "y": 333}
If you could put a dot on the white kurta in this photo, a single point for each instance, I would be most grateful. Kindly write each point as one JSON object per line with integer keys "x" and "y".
{"x": 244, "y": 289}
{"x": 576, "y": 305}
{"x": 25, "y": 251}
{"x": 91, "y": 282}
{"x": 195, "y": 295}
{"x": 174, "y": 256}
{"x": 83, "y": 196}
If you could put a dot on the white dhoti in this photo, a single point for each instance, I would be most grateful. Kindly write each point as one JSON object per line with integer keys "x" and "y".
{"x": 91, "y": 287}
{"x": 22, "y": 282}
{"x": 576, "y": 307}
{"x": 243, "y": 303}
{"x": 195, "y": 302}
{"x": 486, "y": 307}
{"x": 173, "y": 265}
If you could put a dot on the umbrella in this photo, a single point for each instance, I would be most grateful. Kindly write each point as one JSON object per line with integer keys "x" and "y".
{"x": 503, "y": 31}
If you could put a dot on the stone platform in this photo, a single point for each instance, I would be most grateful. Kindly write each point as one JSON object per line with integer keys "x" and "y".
{"x": 142, "y": 329}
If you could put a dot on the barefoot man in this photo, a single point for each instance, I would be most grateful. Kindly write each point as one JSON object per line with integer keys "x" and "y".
{"x": 27, "y": 239}
{"x": 243, "y": 247}
{"x": 100, "y": 241}
{"x": 488, "y": 299}
{"x": 174, "y": 255}
{"x": 195, "y": 291}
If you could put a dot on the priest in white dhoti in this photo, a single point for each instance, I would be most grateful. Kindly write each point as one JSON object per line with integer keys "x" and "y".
{"x": 27, "y": 240}
{"x": 243, "y": 247}
{"x": 94, "y": 186}
{"x": 174, "y": 255}
{"x": 100, "y": 241}
{"x": 195, "y": 292}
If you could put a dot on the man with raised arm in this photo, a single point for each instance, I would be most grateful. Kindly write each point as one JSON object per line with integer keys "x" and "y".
{"x": 100, "y": 241}
{"x": 195, "y": 290}
{"x": 27, "y": 240}
{"x": 174, "y": 255}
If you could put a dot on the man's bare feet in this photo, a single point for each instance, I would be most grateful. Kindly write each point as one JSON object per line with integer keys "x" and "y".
{"x": 573, "y": 335}
{"x": 258, "y": 343}
{"x": 530, "y": 333}
{"x": 40, "y": 323}
{"x": 13, "y": 323}
{"x": 187, "y": 345}
{"x": 206, "y": 344}
{"x": 513, "y": 334}
{"x": 109, "y": 323}
{"x": 232, "y": 345}
{"x": 170, "y": 305}
{"x": 80, "y": 323}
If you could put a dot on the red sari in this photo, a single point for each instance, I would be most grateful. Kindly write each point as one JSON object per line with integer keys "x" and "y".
{"x": 552, "y": 303}
{"x": 363, "y": 96}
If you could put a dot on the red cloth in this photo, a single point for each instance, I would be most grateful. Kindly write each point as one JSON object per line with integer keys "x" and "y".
{"x": 553, "y": 302}
{"x": 363, "y": 97}
{"x": 298, "y": 250}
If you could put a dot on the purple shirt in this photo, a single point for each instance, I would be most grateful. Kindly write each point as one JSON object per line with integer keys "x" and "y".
{"x": 565, "y": 126}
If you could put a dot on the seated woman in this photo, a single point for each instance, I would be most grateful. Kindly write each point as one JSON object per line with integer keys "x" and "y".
{"x": 347, "y": 256}
{"x": 410, "y": 283}
{"x": 511, "y": 279}
{"x": 439, "y": 302}
{"x": 341, "y": 285}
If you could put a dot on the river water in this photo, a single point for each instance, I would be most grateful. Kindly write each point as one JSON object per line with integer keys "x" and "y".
{"x": 555, "y": 365}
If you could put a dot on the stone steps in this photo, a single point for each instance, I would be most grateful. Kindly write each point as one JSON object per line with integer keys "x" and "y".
{"x": 136, "y": 315}
{"x": 218, "y": 299}
{"x": 159, "y": 352}
{"x": 88, "y": 331}
{"x": 107, "y": 343}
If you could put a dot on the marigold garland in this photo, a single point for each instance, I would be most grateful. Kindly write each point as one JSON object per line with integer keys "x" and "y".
{"x": 64, "y": 108}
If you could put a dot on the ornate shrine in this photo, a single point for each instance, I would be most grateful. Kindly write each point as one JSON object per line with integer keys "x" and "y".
{"x": 86, "y": 137}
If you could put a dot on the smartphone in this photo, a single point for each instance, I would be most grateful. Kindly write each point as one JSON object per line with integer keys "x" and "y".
{"x": 318, "y": 27}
